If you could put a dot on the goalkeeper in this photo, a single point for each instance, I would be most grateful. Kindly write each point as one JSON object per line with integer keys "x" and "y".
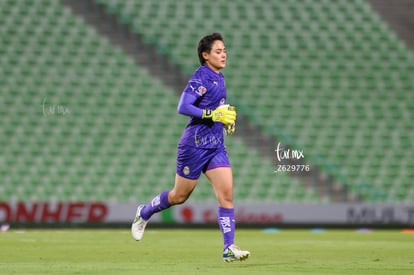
{"x": 201, "y": 147}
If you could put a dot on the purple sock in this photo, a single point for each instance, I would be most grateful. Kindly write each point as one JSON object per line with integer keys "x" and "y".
{"x": 227, "y": 225}
{"x": 157, "y": 204}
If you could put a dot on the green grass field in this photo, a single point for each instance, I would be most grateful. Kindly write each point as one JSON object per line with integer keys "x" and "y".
{"x": 185, "y": 251}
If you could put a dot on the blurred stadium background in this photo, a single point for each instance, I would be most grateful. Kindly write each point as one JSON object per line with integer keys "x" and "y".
{"x": 89, "y": 91}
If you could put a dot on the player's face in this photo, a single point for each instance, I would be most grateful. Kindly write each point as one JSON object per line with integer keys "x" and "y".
{"x": 216, "y": 58}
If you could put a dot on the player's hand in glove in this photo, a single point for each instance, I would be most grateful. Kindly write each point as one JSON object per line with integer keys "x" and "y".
{"x": 229, "y": 129}
{"x": 225, "y": 114}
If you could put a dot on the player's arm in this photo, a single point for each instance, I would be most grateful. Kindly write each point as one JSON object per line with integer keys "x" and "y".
{"x": 222, "y": 114}
{"x": 186, "y": 106}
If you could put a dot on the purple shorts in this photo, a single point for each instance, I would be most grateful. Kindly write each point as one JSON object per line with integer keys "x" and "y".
{"x": 191, "y": 161}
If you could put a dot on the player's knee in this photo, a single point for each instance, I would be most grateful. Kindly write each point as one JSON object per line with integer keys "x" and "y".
{"x": 178, "y": 198}
{"x": 226, "y": 200}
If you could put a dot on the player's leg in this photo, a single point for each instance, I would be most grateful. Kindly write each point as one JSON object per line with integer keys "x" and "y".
{"x": 179, "y": 194}
{"x": 222, "y": 181}
{"x": 219, "y": 173}
{"x": 182, "y": 190}
{"x": 188, "y": 170}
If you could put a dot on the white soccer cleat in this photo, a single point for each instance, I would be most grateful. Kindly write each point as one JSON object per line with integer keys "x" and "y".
{"x": 138, "y": 225}
{"x": 233, "y": 253}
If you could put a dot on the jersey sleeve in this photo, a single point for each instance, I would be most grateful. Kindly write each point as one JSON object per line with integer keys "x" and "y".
{"x": 186, "y": 106}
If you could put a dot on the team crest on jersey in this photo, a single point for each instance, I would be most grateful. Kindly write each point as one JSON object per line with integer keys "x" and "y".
{"x": 186, "y": 170}
{"x": 201, "y": 90}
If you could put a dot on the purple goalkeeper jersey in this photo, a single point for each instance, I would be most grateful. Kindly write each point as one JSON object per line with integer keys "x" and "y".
{"x": 210, "y": 90}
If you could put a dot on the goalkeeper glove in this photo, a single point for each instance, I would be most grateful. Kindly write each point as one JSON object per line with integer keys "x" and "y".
{"x": 225, "y": 114}
{"x": 229, "y": 129}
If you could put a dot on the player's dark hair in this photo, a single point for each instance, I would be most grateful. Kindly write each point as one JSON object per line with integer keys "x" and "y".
{"x": 206, "y": 43}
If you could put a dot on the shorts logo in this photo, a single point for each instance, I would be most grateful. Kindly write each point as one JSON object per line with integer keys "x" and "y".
{"x": 186, "y": 170}
{"x": 201, "y": 90}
